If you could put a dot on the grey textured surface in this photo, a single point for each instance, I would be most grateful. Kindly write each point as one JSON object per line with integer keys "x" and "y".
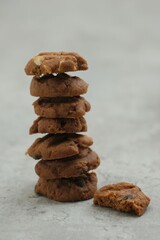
{"x": 121, "y": 41}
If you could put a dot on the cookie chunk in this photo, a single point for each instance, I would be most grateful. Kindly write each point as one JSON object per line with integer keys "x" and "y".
{"x": 61, "y": 85}
{"x": 58, "y": 146}
{"x": 61, "y": 107}
{"x": 125, "y": 197}
{"x": 58, "y": 125}
{"x": 55, "y": 62}
{"x": 68, "y": 189}
{"x": 67, "y": 168}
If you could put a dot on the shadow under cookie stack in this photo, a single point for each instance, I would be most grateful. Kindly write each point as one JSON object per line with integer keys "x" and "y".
{"x": 66, "y": 160}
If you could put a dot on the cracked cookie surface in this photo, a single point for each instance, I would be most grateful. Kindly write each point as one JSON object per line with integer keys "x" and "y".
{"x": 55, "y": 62}
{"x": 59, "y": 146}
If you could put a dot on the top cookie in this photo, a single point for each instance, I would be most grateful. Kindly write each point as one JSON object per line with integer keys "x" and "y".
{"x": 55, "y": 62}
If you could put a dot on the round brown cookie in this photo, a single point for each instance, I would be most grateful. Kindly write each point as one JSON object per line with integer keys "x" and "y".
{"x": 123, "y": 196}
{"x": 58, "y": 125}
{"x": 58, "y": 146}
{"x": 55, "y": 62}
{"x": 67, "y": 168}
{"x": 61, "y": 107}
{"x": 61, "y": 85}
{"x": 68, "y": 189}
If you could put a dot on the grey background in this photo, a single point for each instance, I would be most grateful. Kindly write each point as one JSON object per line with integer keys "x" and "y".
{"x": 121, "y": 41}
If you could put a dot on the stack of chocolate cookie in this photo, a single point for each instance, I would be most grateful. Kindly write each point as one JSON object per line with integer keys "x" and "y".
{"x": 65, "y": 156}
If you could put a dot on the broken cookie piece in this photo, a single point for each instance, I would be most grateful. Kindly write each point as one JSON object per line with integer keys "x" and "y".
{"x": 123, "y": 196}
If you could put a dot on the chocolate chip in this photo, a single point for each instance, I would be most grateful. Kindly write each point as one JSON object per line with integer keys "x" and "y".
{"x": 80, "y": 182}
{"x": 129, "y": 196}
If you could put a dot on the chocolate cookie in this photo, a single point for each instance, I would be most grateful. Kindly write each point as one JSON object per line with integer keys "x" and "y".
{"x": 123, "y": 196}
{"x": 61, "y": 85}
{"x": 68, "y": 189}
{"x": 55, "y": 62}
{"x": 58, "y": 146}
{"x": 58, "y": 125}
{"x": 67, "y": 168}
{"x": 61, "y": 107}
